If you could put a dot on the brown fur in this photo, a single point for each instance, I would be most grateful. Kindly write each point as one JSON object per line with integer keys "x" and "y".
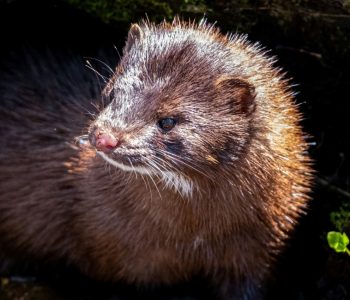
{"x": 238, "y": 137}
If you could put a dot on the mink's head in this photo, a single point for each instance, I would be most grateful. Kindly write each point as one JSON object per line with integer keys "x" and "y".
{"x": 178, "y": 105}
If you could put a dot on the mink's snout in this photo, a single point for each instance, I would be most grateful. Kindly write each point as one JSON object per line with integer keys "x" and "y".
{"x": 103, "y": 141}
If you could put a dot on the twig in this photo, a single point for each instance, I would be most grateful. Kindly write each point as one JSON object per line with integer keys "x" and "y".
{"x": 332, "y": 187}
{"x": 314, "y": 54}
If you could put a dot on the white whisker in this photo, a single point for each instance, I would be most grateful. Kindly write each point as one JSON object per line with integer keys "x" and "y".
{"x": 181, "y": 161}
{"x": 155, "y": 185}
{"x": 88, "y": 65}
{"x": 171, "y": 178}
{"x": 103, "y": 63}
{"x": 179, "y": 182}
{"x": 147, "y": 185}
{"x": 132, "y": 167}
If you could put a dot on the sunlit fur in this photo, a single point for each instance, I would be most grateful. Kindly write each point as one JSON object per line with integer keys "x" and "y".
{"x": 216, "y": 196}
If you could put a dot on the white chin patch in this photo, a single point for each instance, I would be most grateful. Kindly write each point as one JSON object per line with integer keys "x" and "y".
{"x": 179, "y": 183}
{"x": 171, "y": 180}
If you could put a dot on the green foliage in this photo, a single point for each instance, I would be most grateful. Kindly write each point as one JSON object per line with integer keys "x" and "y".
{"x": 341, "y": 218}
{"x": 338, "y": 241}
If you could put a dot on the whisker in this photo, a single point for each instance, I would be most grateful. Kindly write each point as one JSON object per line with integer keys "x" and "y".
{"x": 162, "y": 173}
{"x": 165, "y": 173}
{"x": 97, "y": 106}
{"x": 155, "y": 166}
{"x": 132, "y": 167}
{"x": 88, "y": 65}
{"x": 118, "y": 53}
{"x": 109, "y": 171}
{"x": 155, "y": 185}
{"x": 169, "y": 180}
{"x": 107, "y": 67}
{"x": 162, "y": 161}
{"x": 180, "y": 160}
{"x": 147, "y": 185}
{"x": 81, "y": 107}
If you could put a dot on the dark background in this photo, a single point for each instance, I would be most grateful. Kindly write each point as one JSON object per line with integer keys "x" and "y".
{"x": 312, "y": 42}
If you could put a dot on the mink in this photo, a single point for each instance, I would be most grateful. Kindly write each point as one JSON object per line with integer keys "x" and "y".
{"x": 194, "y": 162}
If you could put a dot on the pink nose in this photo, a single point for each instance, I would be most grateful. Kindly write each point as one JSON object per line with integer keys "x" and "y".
{"x": 103, "y": 141}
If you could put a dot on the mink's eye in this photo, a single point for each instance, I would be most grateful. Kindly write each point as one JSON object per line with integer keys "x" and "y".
{"x": 167, "y": 124}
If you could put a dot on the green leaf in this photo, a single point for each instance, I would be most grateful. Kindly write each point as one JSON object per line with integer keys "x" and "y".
{"x": 338, "y": 241}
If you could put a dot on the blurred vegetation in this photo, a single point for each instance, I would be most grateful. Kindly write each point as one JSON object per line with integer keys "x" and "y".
{"x": 318, "y": 28}
{"x": 341, "y": 218}
{"x": 123, "y": 11}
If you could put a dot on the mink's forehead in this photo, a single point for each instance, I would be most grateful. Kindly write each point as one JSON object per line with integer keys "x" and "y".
{"x": 165, "y": 69}
{"x": 174, "y": 53}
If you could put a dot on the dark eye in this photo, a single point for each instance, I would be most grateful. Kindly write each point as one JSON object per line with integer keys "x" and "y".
{"x": 167, "y": 124}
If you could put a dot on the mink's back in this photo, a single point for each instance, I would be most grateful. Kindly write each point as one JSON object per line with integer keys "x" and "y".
{"x": 45, "y": 102}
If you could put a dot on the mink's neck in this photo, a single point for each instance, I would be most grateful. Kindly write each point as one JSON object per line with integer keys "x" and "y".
{"x": 211, "y": 205}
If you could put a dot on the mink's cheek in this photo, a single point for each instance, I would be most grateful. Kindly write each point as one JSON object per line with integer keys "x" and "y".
{"x": 175, "y": 147}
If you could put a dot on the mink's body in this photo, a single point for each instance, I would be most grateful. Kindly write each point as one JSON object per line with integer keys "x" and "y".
{"x": 201, "y": 165}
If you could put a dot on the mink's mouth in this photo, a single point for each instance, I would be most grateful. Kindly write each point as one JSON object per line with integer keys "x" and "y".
{"x": 181, "y": 184}
{"x": 144, "y": 164}
{"x": 127, "y": 161}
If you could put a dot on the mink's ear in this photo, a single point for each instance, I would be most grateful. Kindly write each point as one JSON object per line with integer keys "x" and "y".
{"x": 238, "y": 94}
{"x": 135, "y": 34}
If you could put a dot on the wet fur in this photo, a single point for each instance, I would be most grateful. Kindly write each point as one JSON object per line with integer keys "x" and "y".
{"x": 238, "y": 144}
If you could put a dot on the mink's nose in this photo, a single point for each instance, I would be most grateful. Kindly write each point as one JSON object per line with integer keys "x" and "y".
{"x": 103, "y": 141}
